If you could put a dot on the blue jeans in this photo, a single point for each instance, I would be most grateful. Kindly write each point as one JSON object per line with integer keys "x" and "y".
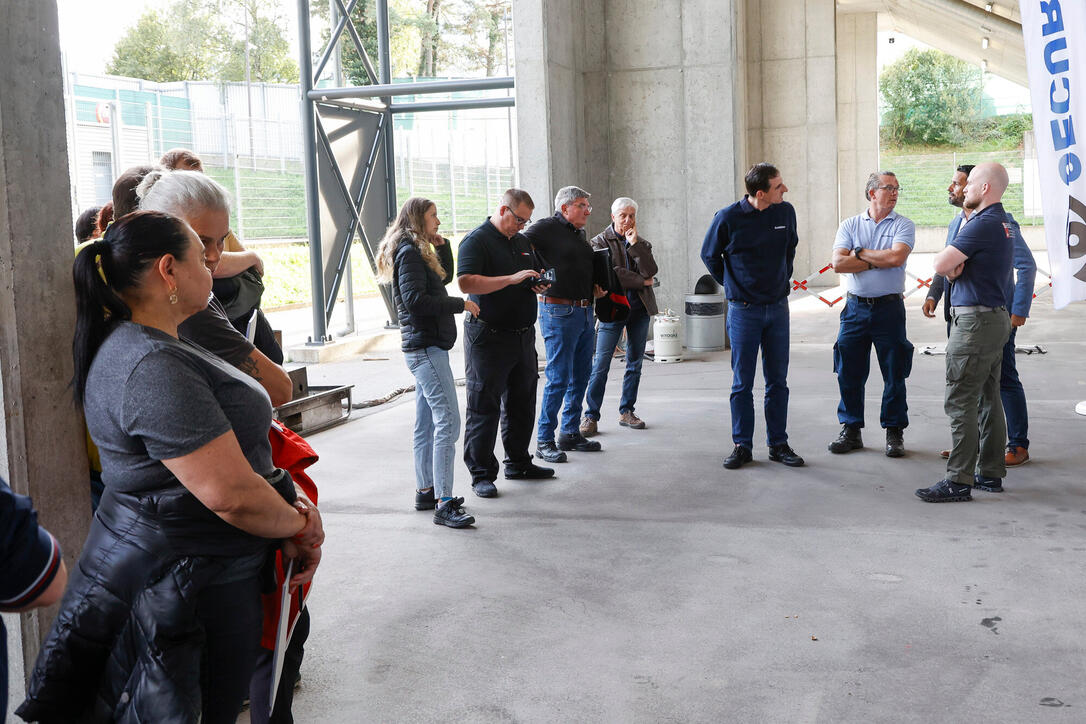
{"x": 1013, "y": 397}
{"x": 569, "y": 335}
{"x": 437, "y": 419}
{"x": 607, "y": 336}
{"x": 750, "y": 327}
{"x": 881, "y": 324}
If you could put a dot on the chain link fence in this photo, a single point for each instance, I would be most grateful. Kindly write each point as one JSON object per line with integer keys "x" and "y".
{"x": 462, "y": 160}
{"x": 924, "y": 179}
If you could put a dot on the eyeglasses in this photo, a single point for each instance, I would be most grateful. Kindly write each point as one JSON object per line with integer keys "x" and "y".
{"x": 520, "y": 221}
{"x": 891, "y": 189}
{"x": 586, "y": 207}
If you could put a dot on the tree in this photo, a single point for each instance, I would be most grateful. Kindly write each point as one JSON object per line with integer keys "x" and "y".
{"x": 185, "y": 43}
{"x": 269, "y": 52}
{"x": 930, "y": 97}
{"x": 191, "y": 41}
{"x": 477, "y": 40}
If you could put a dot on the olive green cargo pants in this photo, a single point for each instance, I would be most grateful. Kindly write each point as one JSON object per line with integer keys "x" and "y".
{"x": 978, "y": 429}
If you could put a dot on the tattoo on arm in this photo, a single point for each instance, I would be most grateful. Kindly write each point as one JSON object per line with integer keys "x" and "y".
{"x": 250, "y": 367}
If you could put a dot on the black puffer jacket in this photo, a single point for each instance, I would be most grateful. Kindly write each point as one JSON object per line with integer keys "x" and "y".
{"x": 424, "y": 307}
{"x": 126, "y": 645}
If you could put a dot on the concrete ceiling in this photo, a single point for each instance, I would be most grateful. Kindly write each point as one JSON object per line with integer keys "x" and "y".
{"x": 957, "y": 27}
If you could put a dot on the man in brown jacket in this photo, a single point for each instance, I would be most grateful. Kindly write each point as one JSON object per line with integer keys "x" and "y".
{"x": 634, "y": 267}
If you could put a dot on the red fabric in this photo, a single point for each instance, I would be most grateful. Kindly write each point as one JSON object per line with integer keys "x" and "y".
{"x": 291, "y": 452}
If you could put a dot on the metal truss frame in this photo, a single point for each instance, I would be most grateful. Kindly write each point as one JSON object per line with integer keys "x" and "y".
{"x": 380, "y": 161}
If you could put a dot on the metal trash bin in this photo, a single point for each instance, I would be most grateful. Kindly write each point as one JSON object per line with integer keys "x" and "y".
{"x": 705, "y": 322}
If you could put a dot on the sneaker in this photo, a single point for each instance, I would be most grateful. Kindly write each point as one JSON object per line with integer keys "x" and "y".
{"x": 547, "y": 450}
{"x": 529, "y": 471}
{"x": 452, "y": 515}
{"x": 588, "y": 427}
{"x": 576, "y": 441}
{"x": 847, "y": 440}
{"x": 990, "y": 485}
{"x": 786, "y": 455}
{"x": 485, "y": 489}
{"x": 740, "y": 456}
{"x": 945, "y": 491}
{"x": 1016, "y": 455}
{"x": 425, "y": 500}
{"x": 895, "y": 442}
{"x": 632, "y": 421}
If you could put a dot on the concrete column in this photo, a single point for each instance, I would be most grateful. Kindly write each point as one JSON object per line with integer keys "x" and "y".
{"x": 792, "y": 112}
{"x": 561, "y": 137}
{"x": 43, "y": 452}
{"x": 645, "y": 100}
{"x": 857, "y": 107}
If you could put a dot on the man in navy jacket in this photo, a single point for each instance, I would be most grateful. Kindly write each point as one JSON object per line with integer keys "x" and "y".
{"x": 749, "y": 249}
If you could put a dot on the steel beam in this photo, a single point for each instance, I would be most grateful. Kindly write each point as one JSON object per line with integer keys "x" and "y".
{"x": 502, "y": 102}
{"x": 388, "y": 88}
{"x": 385, "y": 61}
{"x": 309, "y": 159}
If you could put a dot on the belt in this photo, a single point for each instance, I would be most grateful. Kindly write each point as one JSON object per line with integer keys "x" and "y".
{"x": 504, "y": 330}
{"x": 874, "y": 300}
{"x": 572, "y": 302}
{"x": 976, "y": 308}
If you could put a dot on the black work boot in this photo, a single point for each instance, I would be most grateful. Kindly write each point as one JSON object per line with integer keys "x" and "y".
{"x": 740, "y": 456}
{"x": 848, "y": 440}
{"x": 547, "y": 450}
{"x": 895, "y": 442}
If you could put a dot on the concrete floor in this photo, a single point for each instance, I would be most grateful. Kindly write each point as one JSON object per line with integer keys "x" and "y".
{"x": 646, "y": 583}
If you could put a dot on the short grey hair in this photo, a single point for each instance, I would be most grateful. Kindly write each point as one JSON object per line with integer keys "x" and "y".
{"x": 181, "y": 193}
{"x": 873, "y": 182}
{"x": 623, "y": 202}
{"x": 567, "y": 194}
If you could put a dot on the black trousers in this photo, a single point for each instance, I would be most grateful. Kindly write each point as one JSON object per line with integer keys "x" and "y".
{"x": 231, "y": 616}
{"x": 284, "y": 694}
{"x": 502, "y": 375}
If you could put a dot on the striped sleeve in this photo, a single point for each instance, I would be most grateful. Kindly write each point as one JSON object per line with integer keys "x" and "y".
{"x": 29, "y": 555}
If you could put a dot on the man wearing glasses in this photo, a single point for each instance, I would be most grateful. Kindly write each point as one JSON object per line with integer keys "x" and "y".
{"x": 566, "y": 321}
{"x": 498, "y": 271}
{"x": 871, "y": 250}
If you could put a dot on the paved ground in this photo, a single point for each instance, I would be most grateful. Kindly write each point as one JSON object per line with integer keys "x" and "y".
{"x": 646, "y": 583}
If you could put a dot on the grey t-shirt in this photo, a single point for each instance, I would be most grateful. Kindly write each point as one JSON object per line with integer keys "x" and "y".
{"x": 151, "y": 397}
{"x": 211, "y": 329}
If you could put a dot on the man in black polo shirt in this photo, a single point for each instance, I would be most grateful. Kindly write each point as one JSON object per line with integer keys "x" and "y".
{"x": 566, "y": 321}
{"x": 496, "y": 268}
{"x": 979, "y": 261}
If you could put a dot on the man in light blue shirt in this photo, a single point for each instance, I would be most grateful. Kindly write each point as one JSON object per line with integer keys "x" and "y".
{"x": 871, "y": 250}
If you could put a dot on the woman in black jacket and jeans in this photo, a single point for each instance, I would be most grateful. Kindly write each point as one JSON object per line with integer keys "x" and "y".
{"x": 418, "y": 263}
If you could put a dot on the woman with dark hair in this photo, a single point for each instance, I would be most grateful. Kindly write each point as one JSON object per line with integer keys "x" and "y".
{"x": 418, "y": 263}
{"x": 162, "y": 617}
{"x": 87, "y": 224}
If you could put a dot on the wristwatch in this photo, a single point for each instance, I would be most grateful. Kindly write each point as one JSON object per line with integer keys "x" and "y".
{"x": 856, "y": 253}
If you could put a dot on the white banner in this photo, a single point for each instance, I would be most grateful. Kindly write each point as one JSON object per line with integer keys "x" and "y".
{"x": 1055, "y": 36}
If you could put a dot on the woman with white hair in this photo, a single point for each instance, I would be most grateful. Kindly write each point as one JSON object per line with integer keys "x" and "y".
{"x": 202, "y": 203}
{"x": 635, "y": 267}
